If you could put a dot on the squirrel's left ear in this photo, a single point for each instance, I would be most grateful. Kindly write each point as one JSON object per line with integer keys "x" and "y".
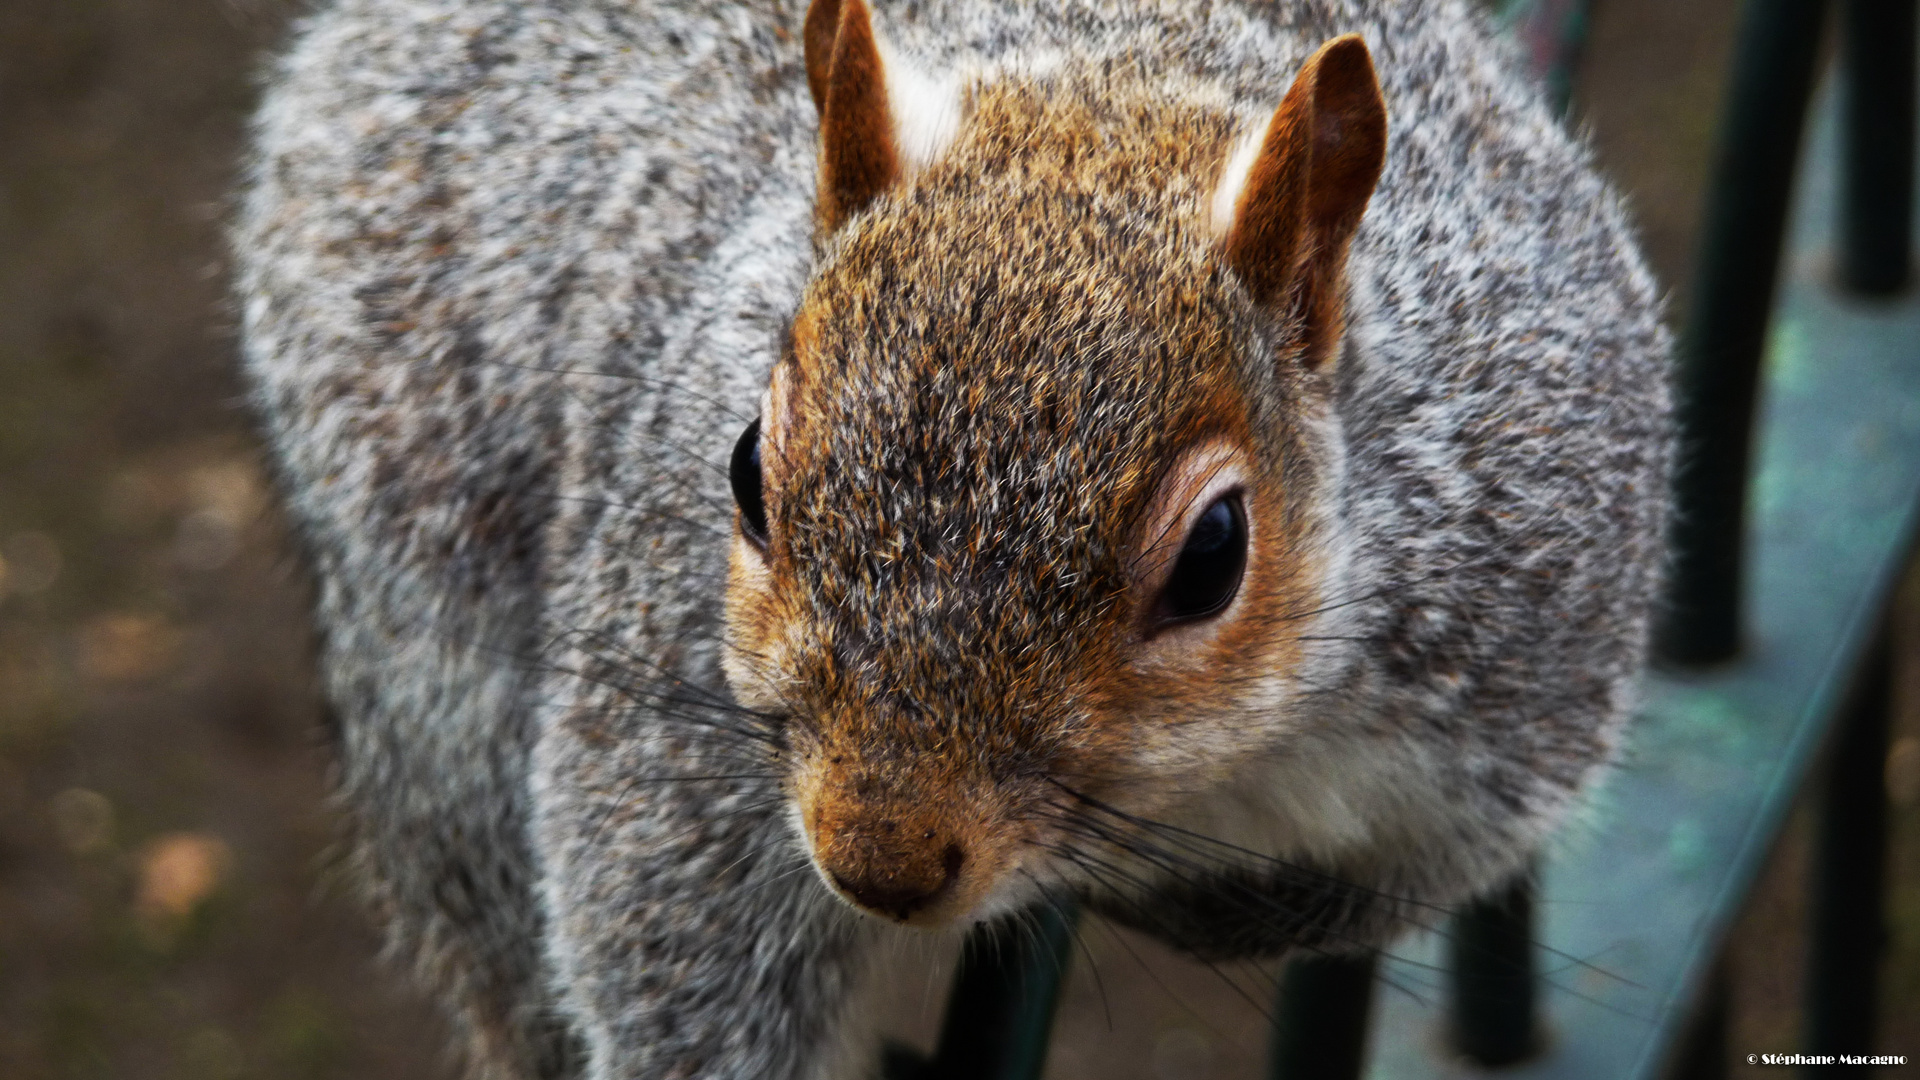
{"x": 879, "y": 118}
{"x": 1288, "y": 206}
{"x": 849, "y": 84}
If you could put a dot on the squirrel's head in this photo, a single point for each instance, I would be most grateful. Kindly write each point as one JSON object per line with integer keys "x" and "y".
{"x": 1032, "y": 513}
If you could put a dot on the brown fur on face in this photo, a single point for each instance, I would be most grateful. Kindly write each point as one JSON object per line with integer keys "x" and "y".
{"x": 1011, "y": 383}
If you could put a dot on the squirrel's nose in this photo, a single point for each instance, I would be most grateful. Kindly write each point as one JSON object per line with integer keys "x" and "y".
{"x": 898, "y": 883}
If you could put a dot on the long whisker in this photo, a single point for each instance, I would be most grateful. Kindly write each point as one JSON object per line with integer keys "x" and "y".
{"x": 628, "y": 377}
{"x": 1243, "y": 895}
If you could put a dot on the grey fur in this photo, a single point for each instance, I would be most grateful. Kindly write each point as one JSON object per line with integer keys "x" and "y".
{"x": 514, "y": 273}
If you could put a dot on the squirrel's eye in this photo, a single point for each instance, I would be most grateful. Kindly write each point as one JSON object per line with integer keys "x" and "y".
{"x": 744, "y": 472}
{"x": 1207, "y": 573}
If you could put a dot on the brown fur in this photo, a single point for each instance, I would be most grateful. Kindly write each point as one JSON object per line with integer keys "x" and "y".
{"x": 1316, "y": 171}
{"x": 987, "y": 440}
{"x": 817, "y": 36}
{"x": 857, "y": 156}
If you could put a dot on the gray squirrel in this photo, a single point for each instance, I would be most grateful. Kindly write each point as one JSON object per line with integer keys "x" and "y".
{"x": 778, "y": 479}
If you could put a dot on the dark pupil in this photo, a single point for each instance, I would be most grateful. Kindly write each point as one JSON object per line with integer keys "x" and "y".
{"x": 744, "y": 472}
{"x": 1208, "y": 571}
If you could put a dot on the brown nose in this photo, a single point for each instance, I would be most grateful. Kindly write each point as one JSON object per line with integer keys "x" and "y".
{"x": 893, "y": 880}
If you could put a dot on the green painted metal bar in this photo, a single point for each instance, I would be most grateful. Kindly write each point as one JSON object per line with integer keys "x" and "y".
{"x": 1877, "y": 42}
{"x": 1726, "y": 329}
{"x": 1703, "y": 1052}
{"x": 1001, "y": 1013}
{"x": 1320, "y": 1025}
{"x": 1634, "y": 904}
{"x": 1848, "y": 885}
{"x": 1880, "y": 38}
{"x": 1491, "y": 965}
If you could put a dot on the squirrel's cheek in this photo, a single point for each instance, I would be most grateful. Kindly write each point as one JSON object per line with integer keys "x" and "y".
{"x": 753, "y": 655}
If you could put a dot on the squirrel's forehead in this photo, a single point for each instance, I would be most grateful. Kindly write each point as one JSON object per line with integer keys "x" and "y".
{"x": 1009, "y": 334}
{"x": 1074, "y": 427}
{"x": 1063, "y": 395}
{"x": 1046, "y": 386}
{"x": 951, "y": 416}
{"x": 953, "y": 240}
{"x": 978, "y": 469}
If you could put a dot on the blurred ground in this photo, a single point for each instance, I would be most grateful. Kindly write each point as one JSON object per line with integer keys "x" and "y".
{"x": 166, "y": 907}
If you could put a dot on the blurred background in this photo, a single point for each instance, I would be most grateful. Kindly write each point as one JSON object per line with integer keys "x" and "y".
{"x": 169, "y": 907}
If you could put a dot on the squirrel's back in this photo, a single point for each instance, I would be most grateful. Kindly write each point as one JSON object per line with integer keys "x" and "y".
{"x": 515, "y": 276}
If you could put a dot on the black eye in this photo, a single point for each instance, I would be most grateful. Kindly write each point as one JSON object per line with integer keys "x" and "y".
{"x": 744, "y": 472}
{"x": 1207, "y": 574}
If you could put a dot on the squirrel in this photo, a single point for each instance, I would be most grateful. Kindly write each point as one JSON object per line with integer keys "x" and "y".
{"x": 778, "y": 479}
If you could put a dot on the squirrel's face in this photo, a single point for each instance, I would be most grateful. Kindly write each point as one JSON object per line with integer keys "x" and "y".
{"x": 983, "y": 575}
{"x": 1008, "y": 550}
{"x": 1027, "y": 519}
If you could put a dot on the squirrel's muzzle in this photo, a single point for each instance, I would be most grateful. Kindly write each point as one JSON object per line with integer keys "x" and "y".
{"x": 897, "y": 851}
{"x": 895, "y": 879}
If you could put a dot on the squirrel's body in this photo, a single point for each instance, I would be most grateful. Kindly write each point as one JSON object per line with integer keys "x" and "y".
{"x": 515, "y": 275}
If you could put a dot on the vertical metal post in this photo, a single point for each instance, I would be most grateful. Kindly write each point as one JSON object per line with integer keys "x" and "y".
{"x": 1849, "y": 875}
{"x": 1877, "y": 52}
{"x": 1726, "y": 330}
{"x": 1493, "y": 977}
{"x": 1004, "y": 995}
{"x": 1701, "y": 1053}
{"x": 1320, "y": 1027}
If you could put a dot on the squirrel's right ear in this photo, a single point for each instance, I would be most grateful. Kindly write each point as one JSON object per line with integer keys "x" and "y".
{"x": 858, "y": 159}
{"x": 1288, "y": 206}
